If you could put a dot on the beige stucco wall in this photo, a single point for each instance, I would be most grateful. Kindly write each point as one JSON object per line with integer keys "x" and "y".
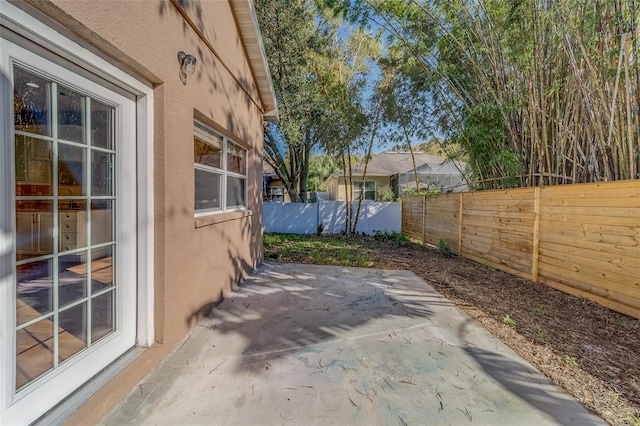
{"x": 339, "y": 187}
{"x": 197, "y": 261}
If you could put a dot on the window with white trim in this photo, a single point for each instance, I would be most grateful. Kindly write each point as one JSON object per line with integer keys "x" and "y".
{"x": 220, "y": 171}
{"x": 369, "y": 190}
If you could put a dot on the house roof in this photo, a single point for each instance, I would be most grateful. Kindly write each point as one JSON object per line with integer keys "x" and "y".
{"x": 391, "y": 163}
{"x": 250, "y": 32}
{"x": 267, "y": 170}
{"x": 441, "y": 167}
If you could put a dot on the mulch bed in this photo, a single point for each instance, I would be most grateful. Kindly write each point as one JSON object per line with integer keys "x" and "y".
{"x": 590, "y": 351}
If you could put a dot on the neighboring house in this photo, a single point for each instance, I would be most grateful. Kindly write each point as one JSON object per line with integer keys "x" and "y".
{"x": 393, "y": 172}
{"x": 130, "y": 189}
{"x": 433, "y": 171}
{"x": 273, "y": 189}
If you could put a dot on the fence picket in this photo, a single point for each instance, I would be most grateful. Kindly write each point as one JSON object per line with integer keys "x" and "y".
{"x": 512, "y": 229}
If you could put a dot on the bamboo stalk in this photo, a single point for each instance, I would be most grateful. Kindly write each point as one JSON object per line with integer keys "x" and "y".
{"x": 632, "y": 163}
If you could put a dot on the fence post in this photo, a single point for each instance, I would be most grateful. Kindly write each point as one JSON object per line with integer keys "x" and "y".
{"x": 536, "y": 235}
{"x": 424, "y": 219}
{"x": 460, "y": 226}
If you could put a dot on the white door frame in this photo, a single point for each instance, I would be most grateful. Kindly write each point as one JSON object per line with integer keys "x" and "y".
{"x": 27, "y": 26}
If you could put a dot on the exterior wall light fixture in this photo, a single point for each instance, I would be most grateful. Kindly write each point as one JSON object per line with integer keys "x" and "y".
{"x": 187, "y": 65}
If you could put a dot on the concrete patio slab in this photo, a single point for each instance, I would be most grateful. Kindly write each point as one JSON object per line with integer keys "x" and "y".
{"x": 304, "y": 345}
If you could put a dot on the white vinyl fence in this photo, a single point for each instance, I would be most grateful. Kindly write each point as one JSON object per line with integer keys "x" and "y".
{"x": 300, "y": 218}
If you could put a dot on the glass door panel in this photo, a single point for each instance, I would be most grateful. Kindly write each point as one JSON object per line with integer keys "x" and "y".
{"x": 34, "y": 166}
{"x": 34, "y": 351}
{"x": 34, "y": 291}
{"x": 72, "y": 170}
{"x": 71, "y": 115}
{"x": 68, "y": 288}
{"x": 71, "y": 287}
{"x": 102, "y": 316}
{"x": 34, "y": 228}
{"x": 102, "y": 125}
{"x": 32, "y": 103}
{"x": 66, "y": 297}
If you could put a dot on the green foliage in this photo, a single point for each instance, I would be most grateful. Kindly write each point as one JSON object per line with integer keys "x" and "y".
{"x": 540, "y": 310}
{"x": 385, "y": 195}
{"x": 352, "y": 250}
{"x": 430, "y": 190}
{"x": 320, "y": 78}
{"x": 527, "y": 90}
{"x": 509, "y": 321}
{"x": 433, "y": 147}
{"x": 321, "y": 250}
{"x": 617, "y": 323}
{"x": 634, "y": 420}
{"x": 542, "y": 336}
{"x": 570, "y": 361}
{"x": 394, "y": 236}
{"x": 485, "y": 136}
{"x": 444, "y": 248}
{"x": 294, "y": 40}
{"x": 320, "y": 168}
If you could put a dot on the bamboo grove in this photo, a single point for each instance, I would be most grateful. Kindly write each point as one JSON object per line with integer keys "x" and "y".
{"x": 534, "y": 92}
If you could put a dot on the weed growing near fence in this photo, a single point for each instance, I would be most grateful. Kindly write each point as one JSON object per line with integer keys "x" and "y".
{"x": 398, "y": 237}
{"x": 444, "y": 248}
{"x": 509, "y": 321}
{"x": 540, "y": 310}
{"x": 571, "y": 361}
{"x": 542, "y": 336}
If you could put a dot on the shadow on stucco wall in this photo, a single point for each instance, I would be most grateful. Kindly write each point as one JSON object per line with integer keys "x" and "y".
{"x": 210, "y": 70}
{"x": 240, "y": 256}
{"x": 243, "y": 240}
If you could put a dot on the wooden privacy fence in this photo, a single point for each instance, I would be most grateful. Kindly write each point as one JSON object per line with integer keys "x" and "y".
{"x": 582, "y": 239}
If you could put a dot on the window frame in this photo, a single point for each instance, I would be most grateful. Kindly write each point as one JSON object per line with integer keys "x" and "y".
{"x": 358, "y": 188}
{"x": 55, "y": 392}
{"x": 207, "y": 134}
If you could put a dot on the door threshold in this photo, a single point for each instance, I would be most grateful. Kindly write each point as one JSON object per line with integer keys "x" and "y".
{"x": 58, "y": 414}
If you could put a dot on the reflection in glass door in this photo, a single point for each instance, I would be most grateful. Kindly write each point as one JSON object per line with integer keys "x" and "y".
{"x": 65, "y": 223}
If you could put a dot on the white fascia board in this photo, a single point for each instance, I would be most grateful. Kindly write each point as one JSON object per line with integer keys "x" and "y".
{"x": 247, "y": 19}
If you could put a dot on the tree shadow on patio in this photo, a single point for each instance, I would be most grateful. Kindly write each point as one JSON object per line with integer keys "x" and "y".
{"x": 278, "y": 312}
{"x": 528, "y": 384}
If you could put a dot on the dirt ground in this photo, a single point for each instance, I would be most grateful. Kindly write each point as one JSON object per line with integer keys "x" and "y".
{"x": 590, "y": 351}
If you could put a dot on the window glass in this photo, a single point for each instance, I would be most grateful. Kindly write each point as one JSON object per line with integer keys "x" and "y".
{"x": 236, "y": 159}
{"x": 72, "y": 170}
{"x": 71, "y": 111}
{"x": 208, "y": 190}
{"x": 64, "y": 217}
{"x": 369, "y": 190}
{"x": 235, "y": 191}
{"x": 102, "y": 131}
{"x": 34, "y": 166}
{"x": 220, "y": 172}
{"x": 208, "y": 153}
{"x": 31, "y": 105}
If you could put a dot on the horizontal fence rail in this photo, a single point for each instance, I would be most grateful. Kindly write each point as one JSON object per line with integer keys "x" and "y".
{"x": 582, "y": 239}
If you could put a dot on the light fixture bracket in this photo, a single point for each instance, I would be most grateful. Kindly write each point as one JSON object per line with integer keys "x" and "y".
{"x": 187, "y": 65}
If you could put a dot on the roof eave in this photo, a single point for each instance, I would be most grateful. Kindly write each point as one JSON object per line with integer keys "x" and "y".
{"x": 247, "y": 20}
